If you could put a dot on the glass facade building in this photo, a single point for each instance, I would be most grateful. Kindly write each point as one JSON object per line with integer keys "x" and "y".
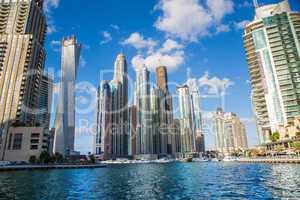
{"x": 273, "y": 53}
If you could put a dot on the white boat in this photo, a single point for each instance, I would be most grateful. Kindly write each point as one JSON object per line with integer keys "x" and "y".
{"x": 229, "y": 159}
{"x": 214, "y": 160}
{"x": 200, "y": 160}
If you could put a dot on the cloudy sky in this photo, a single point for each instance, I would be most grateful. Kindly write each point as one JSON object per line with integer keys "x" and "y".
{"x": 200, "y": 41}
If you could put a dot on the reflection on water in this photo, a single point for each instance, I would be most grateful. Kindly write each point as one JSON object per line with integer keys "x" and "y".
{"x": 157, "y": 181}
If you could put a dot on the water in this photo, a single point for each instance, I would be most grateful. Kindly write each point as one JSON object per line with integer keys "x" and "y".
{"x": 157, "y": 181}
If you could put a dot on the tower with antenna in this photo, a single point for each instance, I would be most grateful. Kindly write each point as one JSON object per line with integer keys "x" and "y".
{"x": 255, "y": 3}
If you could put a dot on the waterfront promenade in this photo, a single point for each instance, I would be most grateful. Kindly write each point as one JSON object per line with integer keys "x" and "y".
{"x": 271, "y": 160}
{"x": 48, "y": 167}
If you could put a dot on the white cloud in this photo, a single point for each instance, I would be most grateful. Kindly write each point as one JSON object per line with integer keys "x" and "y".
{"x": 48, "y": 6}
{"x": 241, "y": 25}
{"x": 106, "y": 37}
{"x": 55, "y": 45}
{"x": 82, "y": 61}
{"x": 170, "y": 45}
{"x": 213, "y": 85}
{"x": 152, "y": 61}
{"x": 169, "y": 54}
{"x": 139, "y": 42}
{"x": 114, "y": 26}
{"x": 223, "y": 28}
{"x": 219, "y": 8}
{"x": 190, "y": 20}
{"x": 245, "y": 4}
{"x": 185, "y": 19}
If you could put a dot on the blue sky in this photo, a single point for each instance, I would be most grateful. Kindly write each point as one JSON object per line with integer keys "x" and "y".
{"x": 203, "y": 37}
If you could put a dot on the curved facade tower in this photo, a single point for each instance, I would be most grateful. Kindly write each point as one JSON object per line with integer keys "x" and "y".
{"x": 65, "y": 114}
{"x": 272, "y": 43}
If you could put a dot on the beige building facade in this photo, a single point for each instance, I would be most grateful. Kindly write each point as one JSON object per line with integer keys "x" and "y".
{"x": 24, "y": 142}
{"x": 22, "y": 56}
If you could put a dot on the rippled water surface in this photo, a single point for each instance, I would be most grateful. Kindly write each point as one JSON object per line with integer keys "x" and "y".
{"x": 157, "y": 181}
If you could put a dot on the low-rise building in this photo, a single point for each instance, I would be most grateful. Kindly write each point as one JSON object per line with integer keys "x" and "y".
{"x": 24, "y": 142}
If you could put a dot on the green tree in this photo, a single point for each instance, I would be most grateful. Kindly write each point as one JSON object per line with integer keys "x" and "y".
{"x": 45, "y": 157}
{"x": 275, "y": 136}
{"x": 32, "y": 159}
{"x": 58, "y": 158}
{"x": 92, "y": 158}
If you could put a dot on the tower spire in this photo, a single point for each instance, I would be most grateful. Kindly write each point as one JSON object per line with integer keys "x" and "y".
{"x": 255, "y": 3}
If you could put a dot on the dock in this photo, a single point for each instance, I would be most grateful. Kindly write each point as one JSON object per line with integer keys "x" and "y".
{"x": 48, "y": 167}
{"x": 271, "y": 160}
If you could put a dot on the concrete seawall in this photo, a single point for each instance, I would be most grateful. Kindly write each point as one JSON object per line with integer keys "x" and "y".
{"x": 271, "y": 160}
{"x": 47, "y": 167}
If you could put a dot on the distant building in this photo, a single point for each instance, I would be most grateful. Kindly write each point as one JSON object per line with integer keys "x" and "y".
{"x": 272, "y": 48}
{"x": 104, "y": 124}
{"x": 230, "y": 133}
{"x": 65, "y": 114}
{"x": 144, "y": 137}
{"x": 24, "y": 142}
{"x": 119, "y": 90}
{"x": 132, "y": 130}
{"x": 45, "y": 105}
{"x": 112, "y": 137}
{"x": 187, "y": 131}
{"x": 22, "y": 57}
{"x": 165, "y": 111}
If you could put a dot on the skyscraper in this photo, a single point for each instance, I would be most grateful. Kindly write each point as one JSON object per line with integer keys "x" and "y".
{"x": 22, "y": 35}
{"x": 165, "y": 110}
{"x": 273, "y": 54}
{"x": 144, "y": 139}
{"x": 65, "y": 114}
{"x": 45, "y": 105}
{"x": 187, "y": 131}
{"x": 119, "y": 89}
{"x": 197, "y": 120}
{"x": 230, "y": 133}
{"x": 103, "y": 132}
{"x": 45, "y": 101}
{"x": 112, "y": 114}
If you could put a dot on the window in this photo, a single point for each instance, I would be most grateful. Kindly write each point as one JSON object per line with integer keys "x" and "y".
{"x": 34, "y": 147}
{"x": 35, "y": 135}
{"x": 34, "y": 141}
{"x": 17, "y": 145}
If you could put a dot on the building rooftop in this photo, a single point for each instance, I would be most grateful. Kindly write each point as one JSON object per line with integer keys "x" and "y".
{"x": 271, "y": 9}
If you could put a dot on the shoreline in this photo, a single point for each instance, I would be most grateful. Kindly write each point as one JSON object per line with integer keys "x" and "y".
{"x": 271, "y": 160}
{"x": 48, "y": 167}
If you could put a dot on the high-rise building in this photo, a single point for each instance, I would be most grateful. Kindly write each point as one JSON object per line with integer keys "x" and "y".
{"x": 165, "y": 110}
{"x": 187, "y": 131}
{"x": 272, "y": 43}
{"x": 103, "y": 133}
{"x": 162, "y": 78}
{"x": 230, "y": 133}
{"x": 144, "y": 139}
{"x": 45, "y": 101}
{"x": 22, "y": 56}
{"x": 132, "y": 131}
{"x": 197, "y": 118}
{"x": 65, "y": 114}
{"x": 45, "y": 105}
{"x": 119, "y": 89}
{"x": 112, "y": 114}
